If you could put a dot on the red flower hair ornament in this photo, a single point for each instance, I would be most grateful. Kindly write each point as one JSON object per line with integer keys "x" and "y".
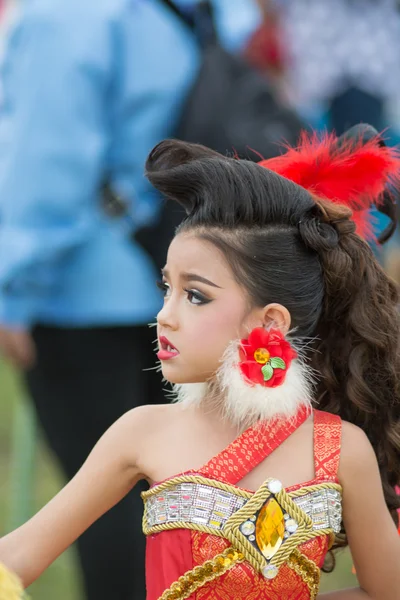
{"x": 265, "y": 357}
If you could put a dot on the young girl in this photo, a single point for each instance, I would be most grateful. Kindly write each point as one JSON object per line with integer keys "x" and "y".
{"x": 277, "y": 323}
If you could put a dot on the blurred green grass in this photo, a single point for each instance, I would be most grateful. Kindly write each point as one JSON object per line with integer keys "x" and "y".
{"x": 62, "y": 580}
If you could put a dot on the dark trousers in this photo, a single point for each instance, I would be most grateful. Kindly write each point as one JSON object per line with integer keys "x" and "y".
{"x": 84, "y": 380}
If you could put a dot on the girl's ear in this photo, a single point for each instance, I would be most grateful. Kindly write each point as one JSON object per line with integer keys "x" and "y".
{"x": 278, "y": 316}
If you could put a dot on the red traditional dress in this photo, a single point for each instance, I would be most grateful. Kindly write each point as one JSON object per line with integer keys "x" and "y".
{"x": 209, "y": 539}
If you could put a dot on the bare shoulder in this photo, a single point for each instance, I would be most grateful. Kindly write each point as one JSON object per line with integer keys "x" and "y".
{"x": 143, "y": 427}
{"x": 149, "y": 418}
{"x": 357, "y": 454}
{"x": 354, "y": 439}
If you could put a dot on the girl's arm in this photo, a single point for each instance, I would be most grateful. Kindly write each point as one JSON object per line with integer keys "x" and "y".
{"x": 373, "y": 538}
{"x": 108, "y": 474}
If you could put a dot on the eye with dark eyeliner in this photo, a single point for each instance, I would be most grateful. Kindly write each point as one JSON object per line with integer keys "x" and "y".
{"x": 196, "y": 295}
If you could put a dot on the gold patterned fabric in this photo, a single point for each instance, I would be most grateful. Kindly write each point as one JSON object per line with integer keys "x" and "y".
{"x": 205, "y": 573}
{"x": 243, "y": 581}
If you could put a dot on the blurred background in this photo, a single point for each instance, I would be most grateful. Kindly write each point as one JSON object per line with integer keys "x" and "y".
{"x": 85, "y": 93}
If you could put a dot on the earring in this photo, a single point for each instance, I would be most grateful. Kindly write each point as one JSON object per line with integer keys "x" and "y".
{"x": 265, "y": 357}
{"x": 263, "y": 377}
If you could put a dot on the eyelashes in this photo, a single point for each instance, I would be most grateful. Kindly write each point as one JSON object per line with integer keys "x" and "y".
{"x": 194, "y": 296}
{"x": 164, "y": 287}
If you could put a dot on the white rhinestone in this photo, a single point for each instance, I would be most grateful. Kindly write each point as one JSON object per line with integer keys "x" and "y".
{"x": 291, "y": 525}
{"x": 286, "y": 535}
{"x": 274, "y": 486}
{"x": 270, "y": 571}
{"x": 286, "y": 517}
{"x": 253, "y": 518}
{"x": 252, "y": 538}
{"x": 247, "y": 528}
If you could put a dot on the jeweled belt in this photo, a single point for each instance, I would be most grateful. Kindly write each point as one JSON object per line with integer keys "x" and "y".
{"x": 264, "y": 528}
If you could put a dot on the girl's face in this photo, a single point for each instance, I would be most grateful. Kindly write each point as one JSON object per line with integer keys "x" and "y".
{"x": 204, "y": 310}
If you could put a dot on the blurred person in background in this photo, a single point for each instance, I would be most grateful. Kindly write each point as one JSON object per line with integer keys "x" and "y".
{"x": 342, "y": 69}
{"x": 87, "y": 90}
{"x": 8, "y": 10}
{"x": 266, "y": 48}
{"x": 343, "y": 65}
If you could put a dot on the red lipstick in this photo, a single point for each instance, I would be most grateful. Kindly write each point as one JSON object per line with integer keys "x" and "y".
{"x": 167, "y": 349}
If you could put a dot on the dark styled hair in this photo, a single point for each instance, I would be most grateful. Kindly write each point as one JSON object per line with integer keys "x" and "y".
{"x": 287, "y": 246}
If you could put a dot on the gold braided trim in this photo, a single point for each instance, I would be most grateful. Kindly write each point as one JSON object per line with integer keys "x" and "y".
{"x": 180, "y": 525}
{"x": 192, "y": 580}
{"x": 307, "y": 570}
{"x": 303, "y": 491}
{"x": 225, "y": 487}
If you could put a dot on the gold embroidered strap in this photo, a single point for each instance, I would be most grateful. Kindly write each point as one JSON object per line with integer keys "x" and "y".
{"x": 327, "y": 444}
{"x": 252, "y": 447}
{"x": 307, "y": 570}
{"x": 191, "y": 581}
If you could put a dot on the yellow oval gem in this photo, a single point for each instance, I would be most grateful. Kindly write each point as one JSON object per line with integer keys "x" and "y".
{"x": 262, "y": 356}
{"x": 270, "y": 528}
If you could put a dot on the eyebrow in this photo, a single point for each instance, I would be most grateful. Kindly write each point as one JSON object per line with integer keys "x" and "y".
{"x": 194, "y": 277}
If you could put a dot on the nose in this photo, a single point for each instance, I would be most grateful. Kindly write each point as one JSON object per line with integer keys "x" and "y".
{"x": 166, "y": 318}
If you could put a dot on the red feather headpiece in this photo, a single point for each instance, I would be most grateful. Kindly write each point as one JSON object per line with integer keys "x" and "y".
{"x": 354, "y": 170}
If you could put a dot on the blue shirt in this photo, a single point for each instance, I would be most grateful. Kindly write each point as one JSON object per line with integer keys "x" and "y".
{"x": 89, "y": 88}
